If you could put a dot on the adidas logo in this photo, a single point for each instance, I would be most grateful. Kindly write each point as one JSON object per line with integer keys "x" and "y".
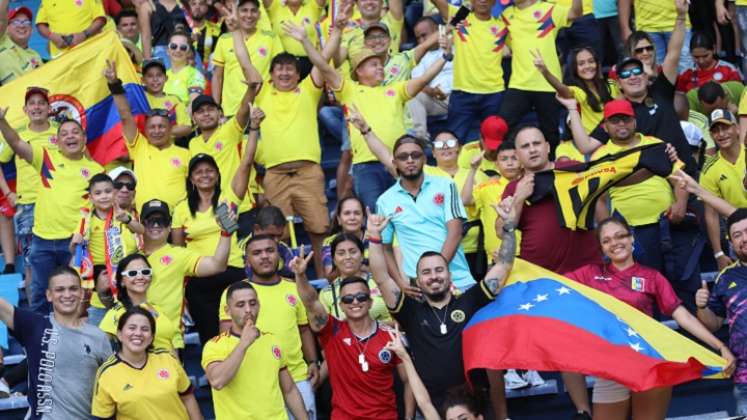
{"x": 732, "y": 285}
{"x": 722, "y": 177}
{"x": 127, "y": 387}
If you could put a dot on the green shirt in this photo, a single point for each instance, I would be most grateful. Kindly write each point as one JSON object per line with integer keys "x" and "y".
{"x": 15, "y": 60}
{"x": 398, "y": 67}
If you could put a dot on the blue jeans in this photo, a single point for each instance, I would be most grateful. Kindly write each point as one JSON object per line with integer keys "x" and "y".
{"x": 661, "y": 41}
{"x": 46, "y": 255}
{"x": 333, "y": 120}
{"x": 742, "y": 24}
{"x": 370, "y": 180}
{"x": 466, "y": 109}
{"x": 740, "y": 397}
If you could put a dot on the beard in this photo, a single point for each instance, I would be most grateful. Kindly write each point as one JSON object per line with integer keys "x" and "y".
{"x": 411, "y": 177}
{"x": 437, "y": 296}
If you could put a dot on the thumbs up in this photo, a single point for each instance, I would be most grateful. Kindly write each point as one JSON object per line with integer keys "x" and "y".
{"x": 702, "y": 295}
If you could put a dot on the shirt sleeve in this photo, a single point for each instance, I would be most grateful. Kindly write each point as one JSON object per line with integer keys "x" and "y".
{"x": 108, "y": 323}
{"x": 23, "y": 325}
{"x": 42, "y": 14}
{"x": 301, "y": 317}
{"x": 182, "y": 118}
{"x": 179, "y": 220}
{"x": 37, "y": 156}
{"x": 103, "y": 405}
{"x": 708, "y": 181}
{"x": 666, "y": 299}
{"x": 97, "y": 9}
{"x": 219, "y": 56}
{"x": 401, "y": 89}
{"x": 560, "y": 16}
{"x": 325, "y": 334}
{"x": 190, "y": 260}
{"x": 717, "y": 297}
{"x": 453, "y": 206}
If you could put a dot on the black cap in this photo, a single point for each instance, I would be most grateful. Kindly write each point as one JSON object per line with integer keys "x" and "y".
{"x": 203, "y": 100}
{"x": 155, "y": 206}
{"x": 376, "y": 25}
{"x": 628, "y": 60}
{"x": 153, "y": 62}
{"x": 199, "y": 158}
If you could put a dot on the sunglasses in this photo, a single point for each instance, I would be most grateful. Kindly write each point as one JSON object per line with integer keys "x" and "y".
{"x": 443, "y": 144}
{"x": 402, "y": 157}
{"x": 119, "y": 184}
{"x": 360, "y": 297}
{"x": 159, "y": 112}
{"x": 134, "y": 273}
{"x": 157, "y": 221}
{"x": 174, "y": 46}
{"x": 617, "y": 119}
{"x": 635, "y": 71}
{"x": 648, "y": 48}
{"x": 19, "y": 22}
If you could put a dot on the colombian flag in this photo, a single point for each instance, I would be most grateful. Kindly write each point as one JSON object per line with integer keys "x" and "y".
{"x": 543, "y": 321}
{"x": 77, "y": 89}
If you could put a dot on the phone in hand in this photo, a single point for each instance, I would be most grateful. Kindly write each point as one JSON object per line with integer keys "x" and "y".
{"x": 460, "y": 15}
{"x": 224, "y": 218}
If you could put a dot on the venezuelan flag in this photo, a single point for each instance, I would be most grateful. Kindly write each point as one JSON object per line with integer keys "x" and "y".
{"x": 544, "y": 321}
{"x": 78, "y": 90}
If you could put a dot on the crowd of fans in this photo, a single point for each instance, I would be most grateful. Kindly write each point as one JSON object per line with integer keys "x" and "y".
{"x": 443, "y": 113}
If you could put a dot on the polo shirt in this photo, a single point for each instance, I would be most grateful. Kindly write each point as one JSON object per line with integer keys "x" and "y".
{"x": 727, "y": 301}
{"x": 438, "y": 357}
{"x": 15, "y": 60}
{"x": 420, "y": 223}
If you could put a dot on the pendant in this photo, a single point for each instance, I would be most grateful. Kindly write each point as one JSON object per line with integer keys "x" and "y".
{"x": 364, "y": 366}
{"x": 443, "y": 329}
{"x": 361, "y": 359}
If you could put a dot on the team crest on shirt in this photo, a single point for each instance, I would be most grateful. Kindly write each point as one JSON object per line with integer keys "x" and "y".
{"x": 291, "y": 299}
{"x": 385, "y": 356}
{"x": 347, "y": 341}
{"x": 52, "y": 140}
{"x": 398, "y": 209}
{"x": 276, "y": 352}
{"x": 718, "y": 76}
{"x": 166, "y": 260}
{"x": 85, "y": 173}
{"x": 176, "y": 162}
{"x": 637, "y": 283}
{"x": 163, "y": 374}
{"x": 68, "y": 107}
{"x": 219, "y": 146}
{"x": 438, "y": 199}
{"x": 262, "y": 51}
{"x": 458, "y": 316}
{"x": 390, "y": 92}
{"x": 79, "y": 3}
{"x": 394, "y": 71}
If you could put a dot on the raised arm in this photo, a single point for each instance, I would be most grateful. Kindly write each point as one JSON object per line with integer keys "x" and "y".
{"x": 217, "y": 263}
{"x": 419, "y": 51}
{"x": 396, "y": 9}
{"x": 623, "y": 16}
{"x": 322, "y": 66}
{"x": 240, "y": 181}
{"x": 576, "y": 10}
{"x": 20, "y": 147}
{"x": 377, "y": 260}
{"x": 469, "y": 184}
{"x": 314, "y": 309}
{"x": 231, "y": 19}
{"x": 377, "y": 147}
{"x": 144, "y": 10}
{"x": 584, "y": 143}
{"x": 129, "y": 127}
{"x": 220, "y": 374}
{"x": 443, "y": 8}
{"x": 562, "y": 90}
{"x": 245, "y": 106}
{"x": 672, "y": 59}
{"x": 416, "y": 384}
{"x": 687, "y": 183}
{"x": 498, "y": 273}
{"x": 414, "y": 86}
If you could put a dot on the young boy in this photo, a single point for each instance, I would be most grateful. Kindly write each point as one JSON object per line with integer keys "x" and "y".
{"x": 154, "y": 78}
{"x": 106, "y": 235}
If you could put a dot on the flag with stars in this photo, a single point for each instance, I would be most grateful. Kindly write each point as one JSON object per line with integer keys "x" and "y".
{"x": 543, "y": 321}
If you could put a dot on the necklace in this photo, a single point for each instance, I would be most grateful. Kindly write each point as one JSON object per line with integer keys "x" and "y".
{"x": 362, "y": 351}
{"x": 442, "y": 327}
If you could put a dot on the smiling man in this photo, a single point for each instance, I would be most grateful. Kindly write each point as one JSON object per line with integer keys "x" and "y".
{"x": 16, "y": 58}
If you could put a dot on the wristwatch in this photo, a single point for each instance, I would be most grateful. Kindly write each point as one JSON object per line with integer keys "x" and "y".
{"x": 448, "y": 56}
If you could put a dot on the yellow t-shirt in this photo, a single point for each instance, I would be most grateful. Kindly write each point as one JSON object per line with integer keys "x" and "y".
{"x": 534, "y": 28}
{"x": 642, "y": 203}
{"x": 353, "y": 40}
{"x": 281, "y": 314}
{"x": 468, "y": 152}
{"x": 226, "y": 146}
{"x": 469, "y": 241}
{"x": 202, "y": 232}
{"x": 96, "y": 241}
{"x": 724, "y": 179}
{"x": 383, "y": 107}
{"x": 590, "y": 119}
{"x": 177, "y": 111}
{"x": 63, "y": 194}
{"x": 28, "y": 181}
{"x": 307, "y": 16}
{"x": 171, "y": 266}
{"x": 161, "y": 173}
{"x": 16, "y": 60}
{"x": 587, "y": 6}
{"x": 167, "y": 330}
{"x": 68, "y": 17}
{"x": 656, "y": 16}
{"x": 289, "y": 133}
{"x": 567, "y": 149}
{"x": 487, "y": 194}
{"x": 187, "y": 81}
{"x": 129, "y": 393}
{"x": 330, "y": 297}
{"x": 262, "y": 47}
{"x": 478, "y": 41}
{"x": 254, "y": 392}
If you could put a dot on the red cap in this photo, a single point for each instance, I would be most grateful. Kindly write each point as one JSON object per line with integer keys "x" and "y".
{"x": 35, "y": 90}
{"x": 618, "y": 107}
{"x": 12, "y": 13}
{"x": 493, "y": 129}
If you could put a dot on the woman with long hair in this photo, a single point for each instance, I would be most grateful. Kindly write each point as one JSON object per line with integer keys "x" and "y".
{"x": 708, "y": 67}
{"x": 350, "y": 218}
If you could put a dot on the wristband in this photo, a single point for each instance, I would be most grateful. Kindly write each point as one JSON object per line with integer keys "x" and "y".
{"x": 116, "y": 87}
{"x": 374, "y": 240}
{"x": 253, "y": 128}
{"x": 366, "y": 131}
{"x": 718, "y": 254}
{"x": 225, "y": 234}
{"x": 510, "y": 229}
{"x": 448, "y": 57}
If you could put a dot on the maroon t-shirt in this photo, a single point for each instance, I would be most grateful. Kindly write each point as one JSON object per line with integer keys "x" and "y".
{"x": 545, "y": 242}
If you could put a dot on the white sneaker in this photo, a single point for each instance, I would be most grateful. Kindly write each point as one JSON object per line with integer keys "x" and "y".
{"x": 512, "y": 380}
{"x": 533, "y": 377}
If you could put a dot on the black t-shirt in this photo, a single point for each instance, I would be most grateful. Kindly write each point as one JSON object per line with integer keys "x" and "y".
{"x": 655, "y": 116}
{"x": 163, "y": 22}
{"x": 438, "y": 357}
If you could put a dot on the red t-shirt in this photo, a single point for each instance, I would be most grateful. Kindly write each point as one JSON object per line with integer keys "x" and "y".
{"x": 638, "y": 286}
{"x": 357, "y": 394}
{"x": 695, "y": 78}
{"x": 548, "y": 244}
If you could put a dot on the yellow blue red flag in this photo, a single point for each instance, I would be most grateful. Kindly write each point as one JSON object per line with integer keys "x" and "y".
{"x": 543, "y": 321}
{"x": 77, "y": 89}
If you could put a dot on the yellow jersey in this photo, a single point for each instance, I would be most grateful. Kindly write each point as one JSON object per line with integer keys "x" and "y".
{"x": 177, "y": 111}
{"x": 656, "y": 16}
{"x": 28, "y": 181}
{"x": 16, "y": 60}
{"x": 68, "y": 17}
{"x": 188, "y": 80}
{"x": 307, "y": 16}
{"x": 167, "y": 330}
{"x": 724, "y": 179}
{"x": 486, "y": 195}
{"x": 161, "y": 173}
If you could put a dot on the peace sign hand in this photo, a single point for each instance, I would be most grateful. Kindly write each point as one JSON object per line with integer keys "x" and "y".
{"x": 299, "y": 263}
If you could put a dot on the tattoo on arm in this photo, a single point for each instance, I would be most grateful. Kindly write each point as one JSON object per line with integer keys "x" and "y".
{"x": 507, "y": 252}
{"x": 397, "y": 296}
{"x": 320, "y": 320}
{"x": 493, "y": 285}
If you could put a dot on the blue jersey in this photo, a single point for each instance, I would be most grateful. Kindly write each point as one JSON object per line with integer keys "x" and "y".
{"x": 729, "y": 300}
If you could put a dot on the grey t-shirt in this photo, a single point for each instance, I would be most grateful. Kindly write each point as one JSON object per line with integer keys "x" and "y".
{"x": 62, "y": 365}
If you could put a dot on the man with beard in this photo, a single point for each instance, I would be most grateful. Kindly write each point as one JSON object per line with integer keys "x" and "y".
{"x": 434, "y": 325}
{"x": 726, "y": 301}
{"x": 426, "y": 214}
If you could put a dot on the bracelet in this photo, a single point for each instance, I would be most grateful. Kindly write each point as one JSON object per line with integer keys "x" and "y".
{"x": 447, "y": 57}
{"x": 366, "y": 131}
{"x": 374, "y": 240}
{"x": 225, "y": 234}
{"x": 253, "y": 128}
{"x": 116, "y": 88}
{"x": 718, "y": 254}
{"x": 511, "y": 228}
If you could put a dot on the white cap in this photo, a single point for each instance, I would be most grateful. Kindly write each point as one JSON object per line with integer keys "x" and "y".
{"x": 119, "y": 170}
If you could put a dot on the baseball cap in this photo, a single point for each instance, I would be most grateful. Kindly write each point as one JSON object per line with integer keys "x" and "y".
{"x": 203, "y": 100}
{"x": 121, "y": 170}
{"x": 628, "y": 60}
{"x": 375, "y": 25}
{"x": 358, "y": 58}
{"x": 721, "y": 116}
{"x": 153, "y": 62}
{"x": 36, "y": 90}
{"x": 493, "y": 130}
{"x": 12, "y": 13}
{"x": 200, "y": 158}
{"x": 618, "y": 107}
{"x": 155, "y": 206}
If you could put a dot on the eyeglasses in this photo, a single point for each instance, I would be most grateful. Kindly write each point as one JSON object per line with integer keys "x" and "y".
{"x": 174, "y": 46}
{"x": 134, "y": 273}
{"x": 360, "y": 297}
{"x": 20, "y": 22}
{"x": 647, "y": 48}
{"x": 160, "y": 112}
{"x": 156, "y": 221}
{"x": 443, "y": 144}
{"x": 119, "y": 184}
{"x": 402, "y": 157}
{"x": 617, "y": 119}
{"x": 377, "y": 36}
{"x": 635, "y": 71}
